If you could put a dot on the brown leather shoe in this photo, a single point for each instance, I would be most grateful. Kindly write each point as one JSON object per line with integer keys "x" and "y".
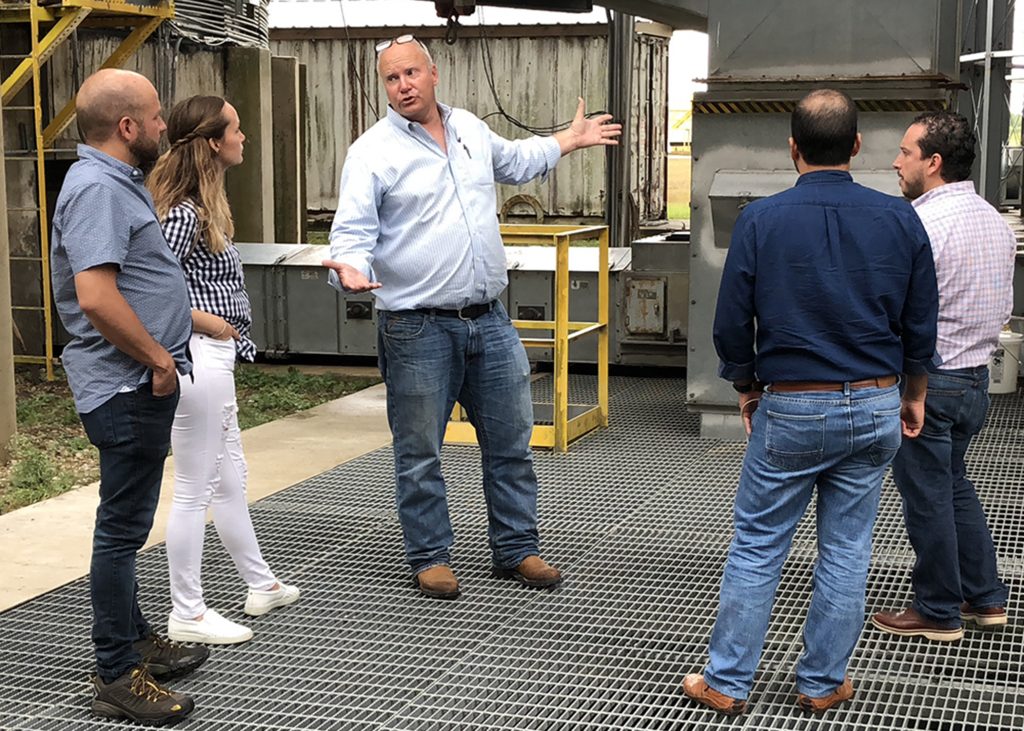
{"x": 437, "y": 582}
{"x": 533, "y": 571}
{"x": 909, "y": 623}
{"x": 696, "y": 688}
{"x": 818, "y": 706}
{"x": 983, "y": 616}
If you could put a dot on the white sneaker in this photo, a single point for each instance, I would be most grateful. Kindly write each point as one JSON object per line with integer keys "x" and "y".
{"x": 212, "y": 629}
{"x": 261, "y": 602}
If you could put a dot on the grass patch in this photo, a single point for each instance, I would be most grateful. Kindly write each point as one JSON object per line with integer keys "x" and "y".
{"x": 51, "y": 453}
{"x": 679, "y": 211}
{"x": 267, "y": 394}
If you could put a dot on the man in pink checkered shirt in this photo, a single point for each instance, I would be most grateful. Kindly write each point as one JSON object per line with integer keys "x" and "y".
{"x": 955, "y": 578}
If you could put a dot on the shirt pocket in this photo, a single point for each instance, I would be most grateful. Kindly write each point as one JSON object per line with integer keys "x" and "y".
{"x": 794, "y": 442}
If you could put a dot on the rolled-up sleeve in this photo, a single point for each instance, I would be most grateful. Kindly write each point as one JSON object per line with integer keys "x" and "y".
{"x": 356, "y": 225}
{"x": 921, "y": 309}
{"x": 735, "y": 313}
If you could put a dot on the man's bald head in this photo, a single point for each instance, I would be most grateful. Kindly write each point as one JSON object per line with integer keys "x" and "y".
{"x": 415, "y": 46}
{"x": 107, "y": 97}
{"x": 824, "y": 127}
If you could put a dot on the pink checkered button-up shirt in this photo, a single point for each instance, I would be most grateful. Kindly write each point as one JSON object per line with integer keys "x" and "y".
{"x": 974, "y": 254}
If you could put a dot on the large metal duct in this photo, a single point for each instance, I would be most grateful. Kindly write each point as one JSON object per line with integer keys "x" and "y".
{"x": 222, "y": 22}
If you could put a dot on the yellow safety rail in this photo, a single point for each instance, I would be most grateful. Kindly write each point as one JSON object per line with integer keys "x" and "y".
{"x": 564, "y": 428}
{"x": 63, "y": 19}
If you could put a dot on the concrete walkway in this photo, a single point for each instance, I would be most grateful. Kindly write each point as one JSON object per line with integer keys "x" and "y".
{"x": 49, "y": 544}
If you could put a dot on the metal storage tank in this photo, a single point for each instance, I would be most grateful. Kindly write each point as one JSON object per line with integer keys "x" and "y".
{"x": 741, "y": 123}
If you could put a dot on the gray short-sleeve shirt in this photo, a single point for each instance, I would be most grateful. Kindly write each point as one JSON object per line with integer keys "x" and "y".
{"x": 104, "y": 215}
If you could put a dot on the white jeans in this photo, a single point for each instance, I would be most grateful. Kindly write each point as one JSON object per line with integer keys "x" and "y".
{"x": 209, "y": 471}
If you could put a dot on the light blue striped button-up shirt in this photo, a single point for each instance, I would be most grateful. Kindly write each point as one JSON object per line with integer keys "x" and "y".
{"x": 424, "y": 224}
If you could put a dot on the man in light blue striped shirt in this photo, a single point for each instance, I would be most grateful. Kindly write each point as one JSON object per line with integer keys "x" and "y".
{"x": 417, "y": 225}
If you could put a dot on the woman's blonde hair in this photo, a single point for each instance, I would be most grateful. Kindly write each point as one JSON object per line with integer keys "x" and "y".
{"x": 188, "y": 170}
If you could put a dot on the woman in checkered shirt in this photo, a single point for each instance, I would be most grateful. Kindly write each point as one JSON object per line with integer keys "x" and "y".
{"x": 187, "y": 184}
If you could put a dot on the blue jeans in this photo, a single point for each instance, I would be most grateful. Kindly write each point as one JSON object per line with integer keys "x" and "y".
{"x": 956, "y": 560}
{"x": 133, "y": 434}
{"x": 843, "y": 442}
{"x": 428, "y": 362}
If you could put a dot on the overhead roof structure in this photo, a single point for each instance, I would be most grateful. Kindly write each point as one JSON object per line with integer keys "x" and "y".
{"x": 680, "y": 14}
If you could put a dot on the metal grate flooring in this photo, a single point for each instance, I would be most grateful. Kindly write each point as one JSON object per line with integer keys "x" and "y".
{"x": 639, "y": 518}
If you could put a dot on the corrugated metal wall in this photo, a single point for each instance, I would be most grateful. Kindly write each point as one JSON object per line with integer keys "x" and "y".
{"x": 176, "y": 75}
{"x": 537, "y": 79}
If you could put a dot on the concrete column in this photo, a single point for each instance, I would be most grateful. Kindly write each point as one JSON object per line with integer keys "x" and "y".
{"x": 250, "y": 186}
{"x": 8, "y": 423}
{"x": 289, "y": 206}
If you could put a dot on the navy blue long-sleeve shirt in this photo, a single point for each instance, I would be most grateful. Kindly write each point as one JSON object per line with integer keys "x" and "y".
{"x": 836, "y": 282}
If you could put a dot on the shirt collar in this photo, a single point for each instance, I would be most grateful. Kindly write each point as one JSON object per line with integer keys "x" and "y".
{"x": 825, "y": 176}
{"x": 959, "y": 188}
{"x": 407, "y": 125}
{"x": 87, "y": 152}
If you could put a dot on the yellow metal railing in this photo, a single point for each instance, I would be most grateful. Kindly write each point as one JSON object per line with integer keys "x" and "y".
{"x": 564, "y": 427}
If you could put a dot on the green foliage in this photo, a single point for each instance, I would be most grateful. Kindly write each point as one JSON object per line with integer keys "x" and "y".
{"x": 51, "y": 453}
{"x": 33, "y": 477}
{"x": 265, "y": 395}
{"x": 46, "y": 407}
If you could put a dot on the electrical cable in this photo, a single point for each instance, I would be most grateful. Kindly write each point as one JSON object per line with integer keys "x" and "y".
{"x": 354, "y": 66}
{"x": 488, "y": 66}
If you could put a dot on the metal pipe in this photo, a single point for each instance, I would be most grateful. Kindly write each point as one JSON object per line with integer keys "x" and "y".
{"x": 8, "y": 419}
{"x": 986, "y": 99}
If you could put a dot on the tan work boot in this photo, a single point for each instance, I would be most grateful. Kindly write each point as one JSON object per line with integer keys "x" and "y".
{"x": 437, "y": 582}
{"x": 818, "y": 706}
{"x": 534, "y": 572}
{"x": 697, "y": 689}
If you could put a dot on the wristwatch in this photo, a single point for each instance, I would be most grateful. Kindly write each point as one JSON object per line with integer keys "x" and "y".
{"x": 744, "y": 387}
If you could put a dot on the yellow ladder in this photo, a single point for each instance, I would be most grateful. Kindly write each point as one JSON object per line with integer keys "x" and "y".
{"x": 30, "y": 70}
{"x": 60, "y": 20}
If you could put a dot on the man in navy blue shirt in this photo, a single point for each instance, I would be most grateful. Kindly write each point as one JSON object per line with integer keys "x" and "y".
{"x": 828, "y": 294}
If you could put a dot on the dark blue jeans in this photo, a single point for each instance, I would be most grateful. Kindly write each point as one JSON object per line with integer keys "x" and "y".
{"x": 428, "y": 361}
{"x": 133, "y": 434}
{"x": 956, "y": 560}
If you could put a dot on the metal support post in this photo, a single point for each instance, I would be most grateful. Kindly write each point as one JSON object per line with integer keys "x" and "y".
{"x": 8, "y": 413}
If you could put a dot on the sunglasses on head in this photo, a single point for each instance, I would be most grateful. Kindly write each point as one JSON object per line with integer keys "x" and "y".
{"x": 385, "y": 45}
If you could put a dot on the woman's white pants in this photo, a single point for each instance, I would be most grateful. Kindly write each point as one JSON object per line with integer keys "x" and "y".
{"x": 209, "y": 472}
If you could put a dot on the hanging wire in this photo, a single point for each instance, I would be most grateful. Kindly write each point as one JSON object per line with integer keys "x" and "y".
{"x": 353, "y": 63}
{"x": 488, "y": 65}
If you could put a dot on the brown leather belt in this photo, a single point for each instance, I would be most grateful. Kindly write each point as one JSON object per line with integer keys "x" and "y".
{"x": 790, "y": 386}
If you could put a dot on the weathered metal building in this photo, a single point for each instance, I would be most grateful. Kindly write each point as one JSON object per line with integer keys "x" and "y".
{"x": 538, "y": 71}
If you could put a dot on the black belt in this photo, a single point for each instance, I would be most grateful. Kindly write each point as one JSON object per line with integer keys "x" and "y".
{"x": 469, "y": 312}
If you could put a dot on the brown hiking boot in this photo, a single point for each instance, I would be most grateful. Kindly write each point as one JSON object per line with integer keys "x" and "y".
{"x": 534, "y": 572}
{"x": 909, "y": 623}
{"x": 817, "y": 706}
{"x": 167, "y": 659}
{"x": 136, "y": 696}
{"x": 983, "y": 616}
{"x": 437, "y": 582}
{"x": 696, "y": 688}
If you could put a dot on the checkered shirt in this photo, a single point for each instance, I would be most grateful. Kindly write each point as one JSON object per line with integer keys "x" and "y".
{"x": 974, "y": 253}
{"x": 215, "y": 281}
